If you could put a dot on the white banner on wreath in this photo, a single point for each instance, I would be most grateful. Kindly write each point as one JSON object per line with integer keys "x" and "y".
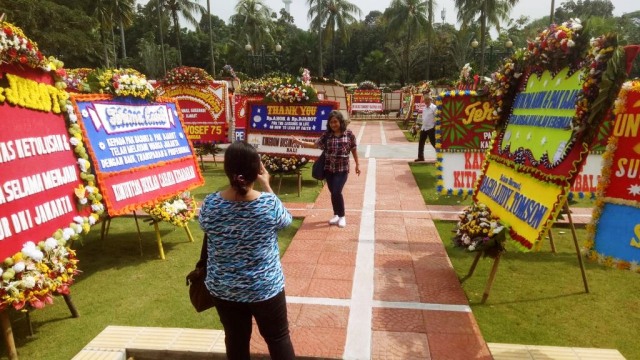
{"x": 282, "y": 145}
{"x": 461, "y": 170}
{"x": 366, "y": 107}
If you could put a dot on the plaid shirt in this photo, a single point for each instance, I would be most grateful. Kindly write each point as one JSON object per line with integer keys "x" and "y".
{"x": 337, "y": 149}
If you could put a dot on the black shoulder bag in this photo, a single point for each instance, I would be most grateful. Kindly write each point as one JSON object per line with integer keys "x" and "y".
{"x": 317, "y": 170}
{"x": 201, "y": 298}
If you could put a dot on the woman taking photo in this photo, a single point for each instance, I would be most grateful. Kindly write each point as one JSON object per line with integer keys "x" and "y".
{"x": 244, "y": 273}
{"x": 337, "y": 142}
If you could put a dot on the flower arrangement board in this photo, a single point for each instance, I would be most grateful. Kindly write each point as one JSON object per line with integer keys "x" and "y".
{"x": 367, "y": 100}
{"x": 548, "y": 100}
{"x": 240, "y": 113}
{"x": 417, "y": 104}
{"x": 526, "y": 185}
{"x": 47, "y": 193}
{"x": 464, "y": 128}
{"x": 465, "y": 121}
{"x": 614, "y": 230}
{"x": 139, "y": 149}
{"x": 413, "y": 108}
{"x": 271, "y": 125}
{"x": 468, "y": 79}
{"x": 39, "y": 171}
{"x": 204, "y": 109}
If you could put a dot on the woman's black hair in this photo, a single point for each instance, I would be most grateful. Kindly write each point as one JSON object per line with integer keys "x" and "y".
{"x": 338, "y": 115}
{"x": 242, "y": 166}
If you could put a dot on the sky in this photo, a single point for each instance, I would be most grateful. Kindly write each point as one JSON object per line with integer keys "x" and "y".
{"x": 533, "y": 8}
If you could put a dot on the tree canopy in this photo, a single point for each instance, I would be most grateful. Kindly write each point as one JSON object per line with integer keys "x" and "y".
{"x": 400, "y": 44}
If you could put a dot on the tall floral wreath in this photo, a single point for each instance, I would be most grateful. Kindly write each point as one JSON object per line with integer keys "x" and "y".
{"x": 259, "y": 86}
{"x": 32, "y": 276}
{"x": 557, "y": 48}
{"x": 76, "y": 79}
{"x": 187, "y": 75}
{"x": 291, "y": 93}
{"x": 16, "y": 48}
{"x": 367, "y": 85}
{"x": 608, "y": 168}
{"x": 120, "y": 82}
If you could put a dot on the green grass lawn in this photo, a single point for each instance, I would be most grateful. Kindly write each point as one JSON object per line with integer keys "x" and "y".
{"x": 539, "y": 298}
{"x": 407, "y": 134}
{"x": 124, "y": 282}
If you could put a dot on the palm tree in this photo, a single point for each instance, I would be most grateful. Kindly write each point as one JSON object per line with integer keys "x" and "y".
{"x": 213, "y": 60}
{"x": 329, "y": 17}
{"x": 160, "y": 26}
{"x": 488, "y": 12}
{"x": 430, "y": 17}
{"x": 255, "y": 18}
{"x": 103, "y": 13}
{"x": 108, "y": 12}
{"x": 177, "y": 8}
{"x": 124, "y": 12}
{"x": 407, "y": 17}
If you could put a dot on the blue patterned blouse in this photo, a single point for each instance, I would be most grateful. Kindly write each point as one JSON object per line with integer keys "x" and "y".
{"x": 243, "y": 262}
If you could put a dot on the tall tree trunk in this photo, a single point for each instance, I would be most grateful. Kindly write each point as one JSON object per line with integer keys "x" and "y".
{"x": 429, "y": 37}
{"x": 103, "y": 38}
{"x": 115, "y": 51}
{"x": 176, "y": 25}
{"x": 333, "y": 55}
{"x": 320, "y": 67}
{"x": 106, "y": 49}
{"x": 164, "y": 59}
{"x": 429, "y": 59}
{"x": 124, "y": 46}
{"x": 406, "y": 55}
{"x": 483, "y": 30}
{"x": 213, "y": 61}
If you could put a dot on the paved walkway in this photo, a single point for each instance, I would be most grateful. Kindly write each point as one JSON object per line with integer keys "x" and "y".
{"x": 383, "y": 287}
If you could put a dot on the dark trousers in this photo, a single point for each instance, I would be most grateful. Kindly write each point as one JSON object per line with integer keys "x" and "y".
{"x": 335, "y": 183}
{"x": 271, "y": 317}
{"x": 424, "y": 134}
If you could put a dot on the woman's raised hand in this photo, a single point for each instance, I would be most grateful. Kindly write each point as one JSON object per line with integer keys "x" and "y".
{"x": 263, "y": 178}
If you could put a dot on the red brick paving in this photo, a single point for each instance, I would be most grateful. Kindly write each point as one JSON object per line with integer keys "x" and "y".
{"x": 410, "y": 265}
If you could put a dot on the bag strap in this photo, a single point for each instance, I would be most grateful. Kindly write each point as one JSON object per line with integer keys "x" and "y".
{"x": 325, "y": 143}
{"x": 202, "y": 263}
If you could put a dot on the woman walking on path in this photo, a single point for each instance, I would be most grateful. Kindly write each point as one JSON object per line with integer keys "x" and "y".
{"x": 337, "y": 142}
{"x": 244, "y": 273}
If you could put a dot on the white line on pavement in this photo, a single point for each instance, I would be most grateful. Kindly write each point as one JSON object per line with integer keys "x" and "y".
{"x": 382, "y": 135}
{"x": 358, "y": 344}
{"x": 421, "y": 306}
{"x": 317, "y": 301}
{"x": 379, "y": 304}
{"x": 361, "y": 132}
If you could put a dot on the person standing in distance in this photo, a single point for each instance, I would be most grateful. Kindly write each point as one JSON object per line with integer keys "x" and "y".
{"x": 428, "y": 128}
{"x": 244, "y": 273}
{"x": 338, "y": 142}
